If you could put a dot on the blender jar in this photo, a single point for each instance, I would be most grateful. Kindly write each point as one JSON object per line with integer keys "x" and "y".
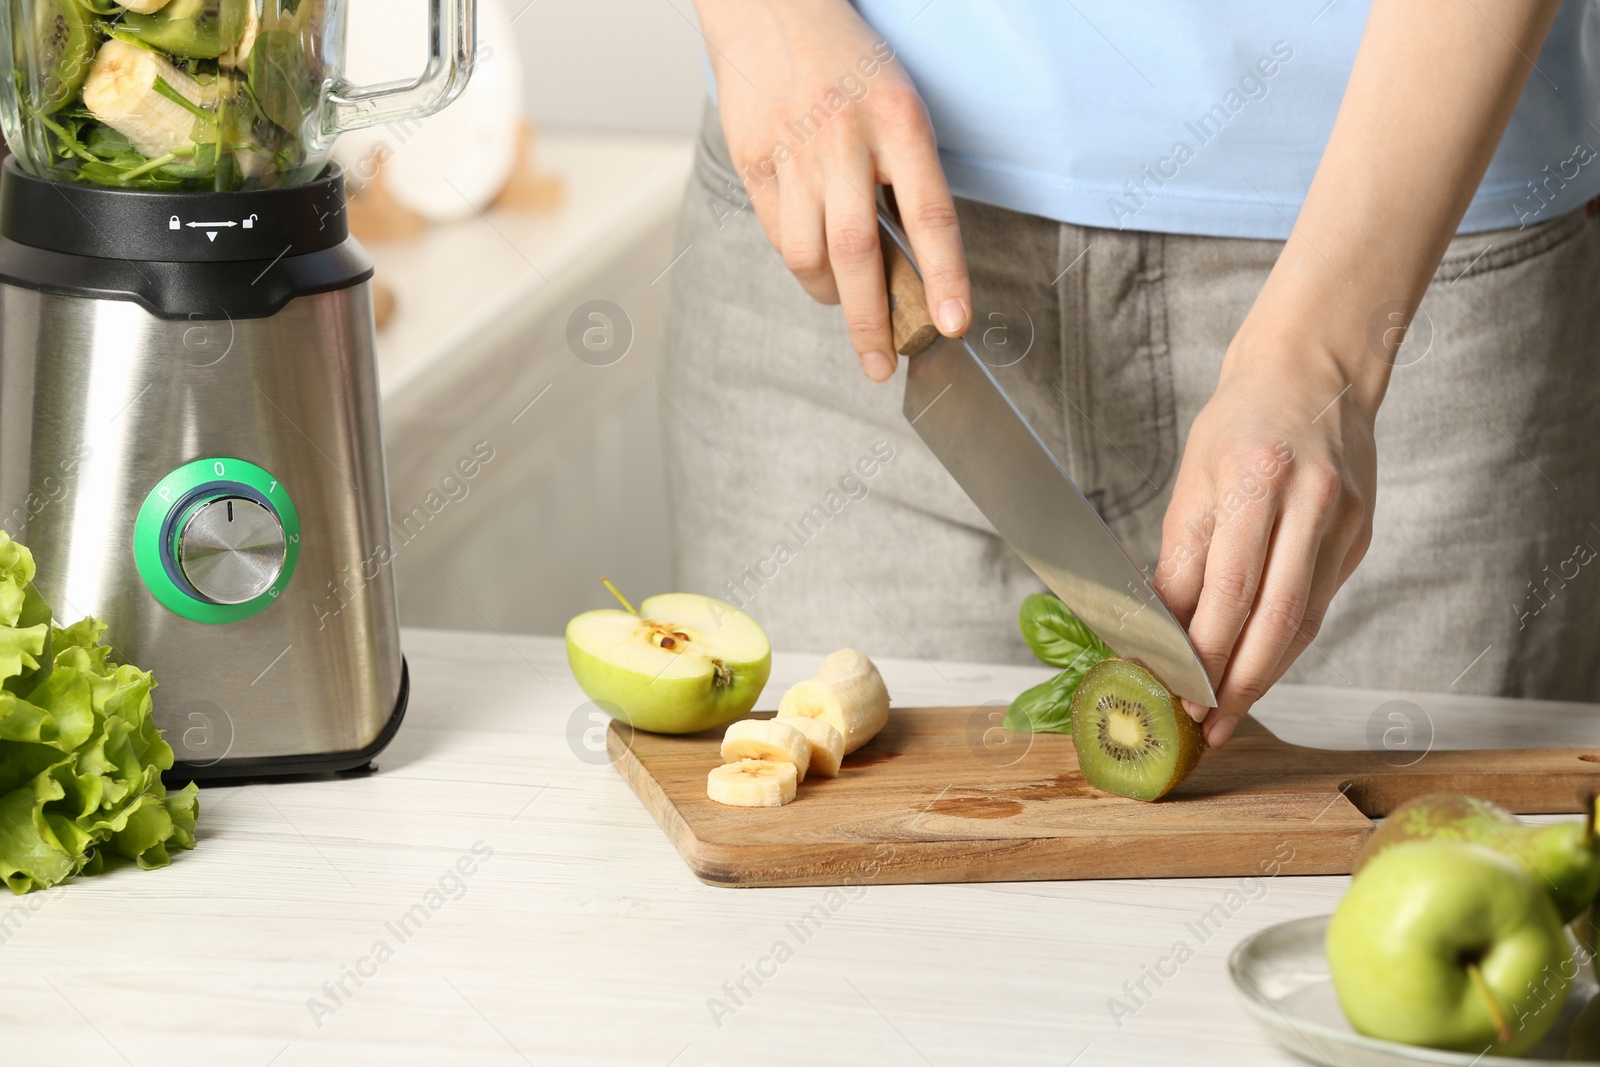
{"x": 200, "y": 95}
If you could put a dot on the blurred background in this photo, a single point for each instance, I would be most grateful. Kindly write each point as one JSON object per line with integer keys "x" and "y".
{"x": 523, "y": 241}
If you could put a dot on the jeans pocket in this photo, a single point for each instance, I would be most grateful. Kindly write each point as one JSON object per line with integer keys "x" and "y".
{"x": 1474, "y": 254}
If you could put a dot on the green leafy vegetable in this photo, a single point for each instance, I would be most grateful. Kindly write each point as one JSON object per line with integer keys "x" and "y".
{"x": 1059, "y": 638}
{"x": 260, "y": 74}
{"x": 1047, "y": 707}
{"x": 80, "y": 755}
{"x": 280, "y": 78}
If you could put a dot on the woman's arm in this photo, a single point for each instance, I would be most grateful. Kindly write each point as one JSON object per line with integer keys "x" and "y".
{"x": 1273, "y": 505}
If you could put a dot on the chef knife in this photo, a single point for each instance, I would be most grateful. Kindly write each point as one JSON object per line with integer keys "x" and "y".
{"x": 962, "y": 412}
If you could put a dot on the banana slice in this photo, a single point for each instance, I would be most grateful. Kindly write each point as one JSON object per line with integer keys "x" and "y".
{"x": 752, "y": 783}
{"x": 827, "y": 745}
{"x": 144, "y": 7}
{"x": 848, "y": 694}
{"x": 120, "y": 92}
{"x": 767, "y": 739}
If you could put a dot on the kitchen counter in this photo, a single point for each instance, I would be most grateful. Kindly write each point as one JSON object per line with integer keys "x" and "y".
{"x": 493, "y": 895}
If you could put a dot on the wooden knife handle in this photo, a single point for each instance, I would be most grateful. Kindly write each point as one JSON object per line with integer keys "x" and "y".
{"x": 908, "y": 302}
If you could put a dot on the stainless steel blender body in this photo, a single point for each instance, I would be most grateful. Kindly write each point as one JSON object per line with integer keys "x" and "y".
{"x": 135, "y": 428}
{"x": 188, "y": 402}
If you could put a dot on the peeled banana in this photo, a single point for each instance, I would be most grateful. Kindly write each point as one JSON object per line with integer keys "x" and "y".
{"x": 848, "y": 694}
{"x": 827, "y": 745}
{"x": 767, "y": 739}
{"x": 121, "y": 92}
{"x": 753, "y": 783}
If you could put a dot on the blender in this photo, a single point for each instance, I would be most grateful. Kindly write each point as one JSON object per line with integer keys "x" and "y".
{"x": 189, "y": 434}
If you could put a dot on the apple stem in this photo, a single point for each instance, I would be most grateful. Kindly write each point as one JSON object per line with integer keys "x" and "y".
{"x": 624, "y": 600}
{"x": 1502, "y": 1031}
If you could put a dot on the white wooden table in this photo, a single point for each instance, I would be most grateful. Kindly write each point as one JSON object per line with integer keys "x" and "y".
{"x": 579, "y": 936}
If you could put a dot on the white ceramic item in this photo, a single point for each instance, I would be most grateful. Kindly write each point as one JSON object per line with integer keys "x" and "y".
{"x": 1280, "y": 976}
{"x": 452, "y": 165}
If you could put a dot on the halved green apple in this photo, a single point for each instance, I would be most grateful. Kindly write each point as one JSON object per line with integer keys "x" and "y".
{"x": 684, "y": 663}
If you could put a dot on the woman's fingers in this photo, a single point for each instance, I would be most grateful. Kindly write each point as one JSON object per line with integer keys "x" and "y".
{"x": 1185, "y": 533}
{"x": 1233, "y": 565}
{"x": 856, "y": 259}
{"x": 1341, "y": 551}
{"x": 1284, "y": 605}
{"x": 803, "y": 237}
{"x": 909, "y": 161}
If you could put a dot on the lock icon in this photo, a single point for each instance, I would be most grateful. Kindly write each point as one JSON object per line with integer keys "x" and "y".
{"x": 250, "y": 223}
{"x": 172, "y": 223}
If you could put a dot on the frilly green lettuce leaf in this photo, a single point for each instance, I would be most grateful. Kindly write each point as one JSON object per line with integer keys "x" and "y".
{"x": 24, "y": 619}
{"x": 80, "y": 754}
{"x": 16, "y": 574}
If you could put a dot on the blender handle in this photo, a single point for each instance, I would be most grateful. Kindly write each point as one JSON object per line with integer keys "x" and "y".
{"x": 452, "y": 42}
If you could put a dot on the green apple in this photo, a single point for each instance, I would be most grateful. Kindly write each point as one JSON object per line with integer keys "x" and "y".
{"x": 1564, "y": 857}
{"x": 1451, "y": 945}
{"x": 682, "y": 663}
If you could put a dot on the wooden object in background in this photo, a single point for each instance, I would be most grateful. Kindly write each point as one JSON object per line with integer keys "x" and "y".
{"x": 528, "y": 189}
{"x": 374, "y": 213}
{"x": 383, "y": 303}
{"x": 929, "y": 801}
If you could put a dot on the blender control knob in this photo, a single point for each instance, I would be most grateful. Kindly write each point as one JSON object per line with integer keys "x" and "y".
{"x": 231, "y": 549}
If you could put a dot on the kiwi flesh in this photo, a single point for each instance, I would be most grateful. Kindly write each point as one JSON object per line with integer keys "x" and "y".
{"x": 1132, "y": 735}
{"x": 56, "y": 52}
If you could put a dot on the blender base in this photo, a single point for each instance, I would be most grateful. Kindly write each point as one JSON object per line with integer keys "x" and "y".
{"x": 354, "y": 764}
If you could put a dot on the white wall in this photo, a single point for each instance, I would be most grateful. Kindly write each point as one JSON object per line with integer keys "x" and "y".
{"x": 629, "y": 65}
{"x": 612, "y": 64}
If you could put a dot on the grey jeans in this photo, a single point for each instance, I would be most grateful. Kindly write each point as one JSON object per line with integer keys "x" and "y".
{"x": 799, "y": 493}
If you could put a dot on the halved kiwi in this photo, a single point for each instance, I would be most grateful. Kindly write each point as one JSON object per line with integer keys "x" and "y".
{"x": 55, "y": 49}
{"x": 194, "y": 29}
{"x": 1133, "y": 736}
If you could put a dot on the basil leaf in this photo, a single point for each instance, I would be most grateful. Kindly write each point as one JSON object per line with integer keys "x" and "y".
{"x": 1057, "y": 636}
{"x": 1047, "y": 707}
{"x": 280, "y": 78}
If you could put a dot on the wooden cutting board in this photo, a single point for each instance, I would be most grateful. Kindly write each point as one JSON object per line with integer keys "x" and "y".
{"x": 942, "y": 795}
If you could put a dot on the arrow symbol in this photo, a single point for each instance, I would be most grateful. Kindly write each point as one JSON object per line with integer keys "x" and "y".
{"x": 211, "y": 234}
{"x": 192, "y": 225}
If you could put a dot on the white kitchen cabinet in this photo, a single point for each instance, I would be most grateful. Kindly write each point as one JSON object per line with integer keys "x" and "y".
{"x": 477, "y": 362}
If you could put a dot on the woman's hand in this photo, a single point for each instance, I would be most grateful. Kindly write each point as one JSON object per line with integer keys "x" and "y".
{"x": 1273, "y": 505}
{"x": 1271, "y": 512}
{"x": 817, "y": 114}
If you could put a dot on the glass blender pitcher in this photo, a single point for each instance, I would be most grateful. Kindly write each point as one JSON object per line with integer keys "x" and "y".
{"x": 200, "y": 95}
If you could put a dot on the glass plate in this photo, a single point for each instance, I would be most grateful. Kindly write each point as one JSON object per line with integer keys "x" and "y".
{"x": 1281, "y": 977}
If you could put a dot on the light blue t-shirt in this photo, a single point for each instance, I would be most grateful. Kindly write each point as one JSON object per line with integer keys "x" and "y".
{"x": 1201, "y": 118}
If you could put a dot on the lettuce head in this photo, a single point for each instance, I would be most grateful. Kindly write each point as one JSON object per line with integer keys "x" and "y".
{"x": 80, "y": 756}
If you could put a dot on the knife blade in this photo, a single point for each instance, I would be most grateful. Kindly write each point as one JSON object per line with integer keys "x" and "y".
{"x": 963, "y": 414}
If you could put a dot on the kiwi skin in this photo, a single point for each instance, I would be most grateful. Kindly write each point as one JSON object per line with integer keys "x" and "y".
{"x": 1120, "y": 676}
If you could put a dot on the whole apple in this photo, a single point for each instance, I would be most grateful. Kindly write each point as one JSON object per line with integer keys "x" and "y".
{"x": 1450, "y": 945}
{"x": 1564, "y": 857}
{"x": 680, "y": 664}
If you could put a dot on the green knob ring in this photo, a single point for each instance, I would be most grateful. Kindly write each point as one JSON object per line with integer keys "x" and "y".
{"x": 174, "y": 491}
